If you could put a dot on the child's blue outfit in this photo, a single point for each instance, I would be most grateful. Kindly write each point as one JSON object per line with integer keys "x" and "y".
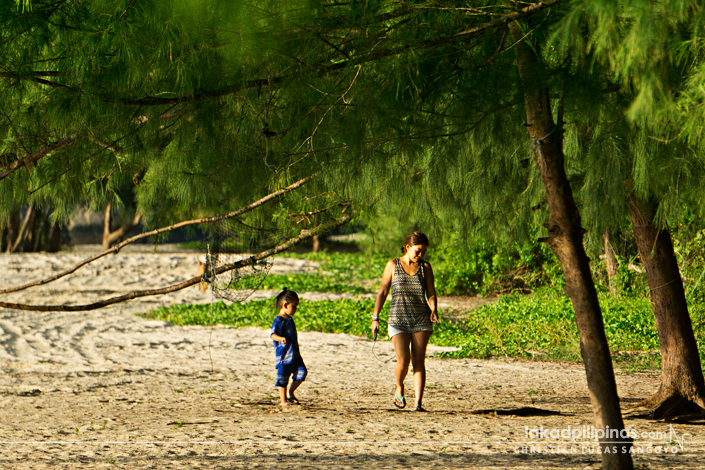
{"x": 289, "y": 361}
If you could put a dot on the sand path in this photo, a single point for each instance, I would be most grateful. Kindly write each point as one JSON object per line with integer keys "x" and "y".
{"x": 107, "y": 389}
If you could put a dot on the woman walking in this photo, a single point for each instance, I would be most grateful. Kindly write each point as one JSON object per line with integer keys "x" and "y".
{"x": 411, "y": 314}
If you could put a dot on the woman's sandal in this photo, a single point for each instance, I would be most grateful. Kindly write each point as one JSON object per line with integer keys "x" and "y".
{"x": 293, "y": 401}
{"x": 419, "y": 408}
{"x": 399, "y": 403}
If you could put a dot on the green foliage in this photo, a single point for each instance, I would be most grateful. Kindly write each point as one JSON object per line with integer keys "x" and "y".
{"x": 337, "y": 272}
{"x": 197, "y": 107}
{"x": 629, "y": 281}
{"x": 300, "y": 282}
{"x": 515, "y": 326}
{"x": 481, "y": 269}
{"x": 690, "y": 248}
{"x": 158, "y": 103}
{"x": 352, "y": 266}
{"x": 542, "y": 326}
{"x": 538, "y": 326}
{"x": 489, "y": 267}
{"x": 341, "y": 316}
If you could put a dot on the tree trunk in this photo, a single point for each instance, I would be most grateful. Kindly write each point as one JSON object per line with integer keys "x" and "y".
{"x": 316, "y": 244}
{"x": 33, "y": 239}
{"x": 54, "y": 238}
{"x": 682, "y": 390}
{"x": 115, "y": 236}
{"x": 13, "y": 229}
{"x": 107, "y": 220}
{"x": 18, "y": 242}
{"x": 566, "y": 241}
{"x": 610, "y": 262}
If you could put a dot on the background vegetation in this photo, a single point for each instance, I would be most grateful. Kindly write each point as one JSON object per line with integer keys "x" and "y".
{"x": 409, "y": 114}
{"x": 532, "y": 318}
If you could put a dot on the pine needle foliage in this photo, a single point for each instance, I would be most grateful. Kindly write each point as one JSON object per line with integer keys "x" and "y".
{"x": 199, "y": 106}
{"x": 196, "y": 107}
{"x": 638, "y": 139}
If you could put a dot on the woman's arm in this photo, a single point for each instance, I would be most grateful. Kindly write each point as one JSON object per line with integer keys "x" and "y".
{"x": 383, "y": 293}
{"x": 431, "y": 292}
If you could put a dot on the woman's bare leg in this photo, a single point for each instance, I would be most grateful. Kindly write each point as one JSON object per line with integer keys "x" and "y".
{"x": 401, "y": 343}
{"x": 419, "y": 341}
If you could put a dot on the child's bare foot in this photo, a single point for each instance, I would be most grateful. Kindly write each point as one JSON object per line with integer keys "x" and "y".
{"x": 284, "y": 403}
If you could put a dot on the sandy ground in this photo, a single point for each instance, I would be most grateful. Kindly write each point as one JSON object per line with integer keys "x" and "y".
{"x": 108, "y": 389}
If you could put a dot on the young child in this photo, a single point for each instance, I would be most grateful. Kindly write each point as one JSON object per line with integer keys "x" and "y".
{"x": 289, "y": 361}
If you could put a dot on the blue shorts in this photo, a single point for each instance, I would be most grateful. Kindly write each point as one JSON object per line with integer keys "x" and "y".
{"x": 296, "y": 368}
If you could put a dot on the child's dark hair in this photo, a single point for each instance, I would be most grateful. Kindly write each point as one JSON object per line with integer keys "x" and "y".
{"x": 285, "y": 296}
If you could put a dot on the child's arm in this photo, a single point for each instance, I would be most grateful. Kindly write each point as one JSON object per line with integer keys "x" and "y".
{"x": 276, "y": 337}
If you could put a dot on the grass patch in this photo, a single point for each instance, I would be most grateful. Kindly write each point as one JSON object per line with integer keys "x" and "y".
{"x": 542, "y": 326}
{"x": 340, "y": 316}
{"x": 538, "y": 326}
{"x": 337, "y": 272}
{"x": 301, "y": 282}
{"x": 352, "y": 266}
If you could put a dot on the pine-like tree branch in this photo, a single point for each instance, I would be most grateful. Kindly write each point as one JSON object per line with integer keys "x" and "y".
{"x": 355, "y": 60}
{"x": 303, "y": 235}
{"x": 185, "y": 223}
{"x": 33, "y": 74}
{"x": 31, "y": 158}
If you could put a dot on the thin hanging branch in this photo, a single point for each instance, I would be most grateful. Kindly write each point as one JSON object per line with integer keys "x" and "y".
{"x": 120, "y": 245}
{"x": 497, "y": 23}
{"x": 31, "y": 158}
{"x": 303, "y": 235}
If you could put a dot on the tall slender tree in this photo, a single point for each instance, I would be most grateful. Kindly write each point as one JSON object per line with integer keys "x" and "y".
{"x": 653, "y": 163}
{"x": 566, "y": 240}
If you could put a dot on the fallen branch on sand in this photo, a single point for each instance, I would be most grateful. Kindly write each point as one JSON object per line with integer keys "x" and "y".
{"x": 303, "y": 235}
{"x": 158, "y": 231}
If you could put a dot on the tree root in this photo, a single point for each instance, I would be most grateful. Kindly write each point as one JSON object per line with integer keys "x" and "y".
{"x": 671, "y": 406}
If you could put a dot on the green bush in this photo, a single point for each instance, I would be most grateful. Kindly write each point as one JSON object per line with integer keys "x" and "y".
{"x": 340, "y": 316}
{"x": 352, "y": 266}
{"x": 301, "y": 282}
{"x": 490, "y": 268}
{"x": 540, "y": 326}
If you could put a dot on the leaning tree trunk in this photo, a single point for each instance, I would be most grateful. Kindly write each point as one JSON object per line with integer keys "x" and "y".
{"x": 115, "y": 236}
{"x": 18, "y": 242}
{"x": 54, "y": 238}
{"x": 566, "y": 241}
{"x": 610, "y": 262}
{"x": 13, "y": 229}
{"x": 682, "y": 390}
{"x": 33, "y": 239}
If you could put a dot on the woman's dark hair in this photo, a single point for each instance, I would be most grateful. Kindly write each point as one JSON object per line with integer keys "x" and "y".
{"x": 287, "y": 296}
{"x": 416, "y": 238}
